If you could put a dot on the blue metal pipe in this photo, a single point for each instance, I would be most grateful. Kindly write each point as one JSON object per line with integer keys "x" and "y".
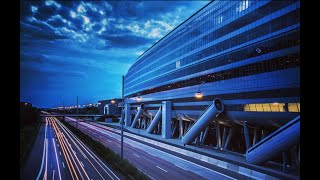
{"x": 140, "y": 110}
{"x": 275, "y": 143}
{"x": 203, "y": 121}
{"x": 155, "y": 121}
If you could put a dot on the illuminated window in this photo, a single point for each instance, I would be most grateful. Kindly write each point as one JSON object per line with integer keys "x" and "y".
{"x": 246, "y": 107}
{"x": 178, "y": 64}
{"x": 252, "y": 107}
{"x": 259, "y": 107}
{"x": 266, "y": 107}
{"x": 294, "y": 107}
{"x": 277, "y": 107}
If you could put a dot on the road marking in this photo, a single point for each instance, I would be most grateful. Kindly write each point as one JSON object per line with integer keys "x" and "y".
{"x": 58, "y": 145}
{"x": 161, "y": 169}
{"x": 119, "y": 146}
{"x": 63, "y": 165}
{"x": 135, "y": 155}
{"x": 82, "y": 163}
{"x": 181, "y": 167}
{"x": 108, "y": 140}
{"x": 60, "y": 153}
{"x": 53, "y": 175}
{"x": 55, "y": 152}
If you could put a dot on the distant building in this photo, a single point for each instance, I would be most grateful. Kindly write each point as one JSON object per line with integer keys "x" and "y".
{"x": 109, "y": 107}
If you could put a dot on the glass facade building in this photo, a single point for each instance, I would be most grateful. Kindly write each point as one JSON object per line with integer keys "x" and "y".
{"x": 245, "y": 52}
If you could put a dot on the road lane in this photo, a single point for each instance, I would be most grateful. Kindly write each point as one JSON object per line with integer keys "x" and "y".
{"x": 95, "y": 168}
{"x": 149, "y": 157}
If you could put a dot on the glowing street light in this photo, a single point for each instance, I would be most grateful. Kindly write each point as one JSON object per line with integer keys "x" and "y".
{"x": 198, "y": 95}
{"x": 113, "y": 101}
{"x": 139, "y": 99}
{"x": 99, "y": 103}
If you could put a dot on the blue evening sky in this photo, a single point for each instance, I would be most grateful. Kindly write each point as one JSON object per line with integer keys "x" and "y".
{"x": 82, "y": 48}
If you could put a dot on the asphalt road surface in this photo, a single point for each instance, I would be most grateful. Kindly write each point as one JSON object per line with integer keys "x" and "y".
{"x": 58, "y": 154}
{"x": 155, "y": 163}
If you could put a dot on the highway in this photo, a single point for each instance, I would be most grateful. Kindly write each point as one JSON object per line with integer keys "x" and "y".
{"x": 63, "y": 156}
{"x": 155, "y": 163}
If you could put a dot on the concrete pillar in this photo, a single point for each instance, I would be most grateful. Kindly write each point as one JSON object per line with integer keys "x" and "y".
{"x": 246, "y": 134}
{"x": 218, "y": 136}
{"x": 228, "y": 139}
{"x": 224, "y": 136}
{"x": 127, "y": 115}
{"x": 166, "y": 119}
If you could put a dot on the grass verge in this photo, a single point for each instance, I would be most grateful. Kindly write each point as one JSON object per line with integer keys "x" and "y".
{"x": 108, "y": 155}
{"x": 27, "y": 137}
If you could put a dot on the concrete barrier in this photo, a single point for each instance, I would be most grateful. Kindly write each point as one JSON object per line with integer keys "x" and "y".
{"x": 216, "y": 162}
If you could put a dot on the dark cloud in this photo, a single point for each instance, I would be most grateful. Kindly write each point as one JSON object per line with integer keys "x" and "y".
{"x": 127, "y": 41}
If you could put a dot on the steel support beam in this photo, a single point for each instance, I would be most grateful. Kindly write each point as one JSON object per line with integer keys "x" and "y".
{"x": 203, "y": 121}
{"x": 218, "y": 135}
{"x": 204, "y": 135}
{"x": 255, "y": 136}
{"x": 135, "y": 120}
{"x": 224, "y": 136}
{"x": 155, "y": 121}
{"x": 246, "y": 134}
{"x": 284, "y": 161}
{"x": 174, "y": 128}
{"x": 166, "y": 119}
{"x": 180, "y": 128}
{"x": 226, "y": 145}
{"x": 294, "y": 157}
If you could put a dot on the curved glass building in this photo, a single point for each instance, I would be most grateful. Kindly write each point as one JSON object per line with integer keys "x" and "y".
{"x": 245, "y": 53}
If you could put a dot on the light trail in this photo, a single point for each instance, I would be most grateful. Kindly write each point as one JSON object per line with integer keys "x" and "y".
{"x": 55, "y": 151}
{"x": 90, "y": 153}
{"x": 70, "y": 149}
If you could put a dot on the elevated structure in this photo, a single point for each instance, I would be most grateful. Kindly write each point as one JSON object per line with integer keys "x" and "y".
{"x": 245, "y": 53}
{"x": 110, "y": 107}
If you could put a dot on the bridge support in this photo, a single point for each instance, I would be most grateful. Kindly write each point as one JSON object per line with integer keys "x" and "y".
{"x": 218, "y": 135}
{"x": 203, "y": 121}
{"x": 154, "y": 121}
{"x": 127, "y": 119}
{"x": 228, "y": 139}
{"x": 135, "y": 120}
{"x": 166, "y": 119}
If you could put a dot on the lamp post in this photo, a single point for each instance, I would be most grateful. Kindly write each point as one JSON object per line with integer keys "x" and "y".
{"x": 122, "y": 119}
{"x": 77, "y": 111}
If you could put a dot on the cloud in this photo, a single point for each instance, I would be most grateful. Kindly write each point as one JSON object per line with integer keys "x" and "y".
{"x": 73, "y": 14}
{"x": 53, "y": 3}
{"x": 34, "y": 9}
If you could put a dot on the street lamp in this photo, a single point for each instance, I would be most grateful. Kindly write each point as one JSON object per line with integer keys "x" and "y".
{"x": 139, "y": 99}
{"x": 112, "y": 101}
{"x": 198, "y": 95}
